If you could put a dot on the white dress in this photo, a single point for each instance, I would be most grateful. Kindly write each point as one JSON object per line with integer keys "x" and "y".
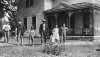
{"x": 6, "y": 27}
{"x": 55, "y": 34}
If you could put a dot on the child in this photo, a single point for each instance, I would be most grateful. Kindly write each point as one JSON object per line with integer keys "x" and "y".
{"x": 32, "y": 34}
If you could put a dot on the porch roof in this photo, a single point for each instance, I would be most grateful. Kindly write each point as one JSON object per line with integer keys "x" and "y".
{"x": 66, "y": 6}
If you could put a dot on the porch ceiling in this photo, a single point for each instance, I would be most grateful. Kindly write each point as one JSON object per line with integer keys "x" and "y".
{"x": 66, "y": 6}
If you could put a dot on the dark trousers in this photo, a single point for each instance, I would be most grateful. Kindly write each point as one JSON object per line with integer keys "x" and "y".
{"x": 63, "y": 37}
{"x": 6, "y": 36}
{"x": 44, "y": 37}
{"x": 31, "y": 39}
{"x": 19, "y": 36}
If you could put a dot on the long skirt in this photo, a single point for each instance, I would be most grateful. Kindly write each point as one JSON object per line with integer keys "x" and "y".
{"x": 55, "y": 37}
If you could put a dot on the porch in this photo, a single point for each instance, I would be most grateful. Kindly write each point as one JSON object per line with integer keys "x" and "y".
{"x": 79, "y": 18}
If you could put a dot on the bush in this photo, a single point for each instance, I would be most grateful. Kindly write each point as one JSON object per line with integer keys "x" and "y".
{"x": 52, "y": 48}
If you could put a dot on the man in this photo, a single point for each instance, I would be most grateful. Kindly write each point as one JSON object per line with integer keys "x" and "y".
{"x": 20, "y": 31}
{"x": 64, "y": 30}
{"x": 43, "y": 30}
{"x": 6, "y": 29}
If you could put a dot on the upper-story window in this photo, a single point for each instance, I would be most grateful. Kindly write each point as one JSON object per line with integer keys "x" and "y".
{"x": 29, "y": 3}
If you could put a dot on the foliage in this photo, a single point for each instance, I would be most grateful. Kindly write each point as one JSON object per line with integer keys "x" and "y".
{"x": 53, "y": 48}
{"x": 9, "y": 8}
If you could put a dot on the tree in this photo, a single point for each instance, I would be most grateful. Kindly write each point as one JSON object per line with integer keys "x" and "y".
{"x": 8, "y": 11}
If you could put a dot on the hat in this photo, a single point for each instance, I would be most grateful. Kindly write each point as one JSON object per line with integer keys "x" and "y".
{"x": 43, "y": 20}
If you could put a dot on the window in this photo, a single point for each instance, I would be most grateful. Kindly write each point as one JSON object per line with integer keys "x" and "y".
{"x": 29, "y": 3}
{"x": 34, "y": 22}
{"x": 25, "y": 23}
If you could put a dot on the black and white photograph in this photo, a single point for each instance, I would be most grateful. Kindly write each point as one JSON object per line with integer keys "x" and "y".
{"x": 49, "y": 28}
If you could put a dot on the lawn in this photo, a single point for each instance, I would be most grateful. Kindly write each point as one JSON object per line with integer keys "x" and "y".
{"x": 36, "y": 51}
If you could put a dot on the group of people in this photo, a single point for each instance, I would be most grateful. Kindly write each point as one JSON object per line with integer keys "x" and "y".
{"x": 9, "y": 29}
{"x": 6, "y": 29}
{"x": 18, "y": 32}
{"x": 59, "y": 34}
{"x": 55, "y": 33}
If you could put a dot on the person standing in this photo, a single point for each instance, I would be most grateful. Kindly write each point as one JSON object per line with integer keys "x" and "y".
{"x": 55, "y": 34}
{"x": 6, "y": 28}
{"x": 31, "y": 34}
{"x": 64, "y": 31}
{"x": 43, "y": 30}
{"x": 20, "y": 31}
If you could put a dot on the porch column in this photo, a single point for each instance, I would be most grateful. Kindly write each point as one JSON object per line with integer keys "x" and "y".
{"x": 56, "y": 17}
{"x": 39, "y": 18}
{"x": 69, "y": 16}
{"x": 29, "y": 22}
{"x": 91, "y": 21}
{"x": 66, "y": 17}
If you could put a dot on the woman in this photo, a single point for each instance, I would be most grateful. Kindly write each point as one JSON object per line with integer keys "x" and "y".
{"x": 55, "y": 34}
